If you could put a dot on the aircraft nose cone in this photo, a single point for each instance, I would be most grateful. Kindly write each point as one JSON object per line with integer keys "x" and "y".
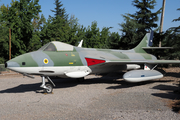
{"x": 11, "y": 64}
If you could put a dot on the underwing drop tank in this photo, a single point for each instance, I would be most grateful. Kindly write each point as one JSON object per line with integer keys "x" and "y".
{"x": 142, "y": 75}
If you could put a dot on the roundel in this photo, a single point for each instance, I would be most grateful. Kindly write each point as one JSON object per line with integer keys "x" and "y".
{"x": 45, "y": 61}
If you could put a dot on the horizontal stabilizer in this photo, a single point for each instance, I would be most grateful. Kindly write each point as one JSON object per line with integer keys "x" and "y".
{"x": 158, "y": 48}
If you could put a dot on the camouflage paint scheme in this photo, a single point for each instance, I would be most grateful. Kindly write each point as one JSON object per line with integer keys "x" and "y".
{"x": 64, "y": 60}
{"x": 69, "y": 58}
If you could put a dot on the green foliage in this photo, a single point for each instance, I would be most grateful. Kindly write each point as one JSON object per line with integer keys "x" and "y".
{"x": 73, "y": 28}
{"x": 2, "y": 60}
{"x": 92, "y": 36}
{"x": 172, "y": 39}
{"x": 178, "y": 19}
{"x": 57, "y": 28}
{"x": 3, "y": 39}
{"x": 59, "y": 11}
{"x": 30, "y": 30}
{"x": 19, "y": 17}
{"x": 176, "y": 29}
{"x": 81, "y": 34}
{"x": 136, "y": 25}
{"x": 129, "y": 33}
{"x": 114, "y": 40}
{"x": 104, "y": 36}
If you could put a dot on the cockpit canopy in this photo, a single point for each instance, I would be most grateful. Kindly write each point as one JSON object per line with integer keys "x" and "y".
{"x": 56, "y": 46}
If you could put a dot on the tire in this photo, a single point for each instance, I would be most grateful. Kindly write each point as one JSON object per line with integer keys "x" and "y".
{"x": 50, "y": 89}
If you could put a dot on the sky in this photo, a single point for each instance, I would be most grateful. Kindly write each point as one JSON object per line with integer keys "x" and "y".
{"x": 107, "y": 13}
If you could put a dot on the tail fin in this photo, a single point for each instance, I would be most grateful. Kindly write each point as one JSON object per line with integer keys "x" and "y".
{"x": 147, "y": 41}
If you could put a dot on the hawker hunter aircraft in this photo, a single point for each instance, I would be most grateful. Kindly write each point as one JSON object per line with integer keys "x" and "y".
{"x": 64, "y": 60}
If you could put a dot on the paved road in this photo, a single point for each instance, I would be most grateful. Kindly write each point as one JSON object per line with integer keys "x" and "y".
{"x": 97, "y": 98}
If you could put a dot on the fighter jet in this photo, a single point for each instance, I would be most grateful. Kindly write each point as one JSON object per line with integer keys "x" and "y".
{"x": 64, "y": 60}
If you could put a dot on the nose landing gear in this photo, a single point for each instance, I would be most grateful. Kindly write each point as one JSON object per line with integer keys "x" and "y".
{"x": 48, "y": 88}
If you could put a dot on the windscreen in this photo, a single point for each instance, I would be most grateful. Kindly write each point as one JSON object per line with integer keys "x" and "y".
{"x": 50, "y": 47}
{"x": 42, "y": 48}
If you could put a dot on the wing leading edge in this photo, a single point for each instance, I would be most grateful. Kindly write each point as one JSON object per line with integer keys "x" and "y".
{"x": 144, "y": 61}
{"x": 99, "y": 61}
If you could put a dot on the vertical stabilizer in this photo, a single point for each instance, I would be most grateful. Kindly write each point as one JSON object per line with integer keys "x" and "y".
{"x": 147, "y": 41}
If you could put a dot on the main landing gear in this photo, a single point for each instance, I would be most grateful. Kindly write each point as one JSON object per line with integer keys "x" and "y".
{"x": 48, "y": 88}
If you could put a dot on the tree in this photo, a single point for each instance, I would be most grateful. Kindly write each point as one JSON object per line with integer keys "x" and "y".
{"x": 92, "y": 36}
{"x": 81, "y": 34}
{"x": 129, "y": 33}
{"x": 37, "y": 23}
{"x": 73, "y": 25}
{"x": 176, "y": 29}
{"x": 104, "y": 35}
{"x": 172, "y": 38}
{"x": 20, "y": 16}
{"x": 56, "y": 28}
{"x": 4, "y": 30}
{"x": 137, "y": 24}
{"x": 114, "y": 41}
{"x": 59, "y": 11}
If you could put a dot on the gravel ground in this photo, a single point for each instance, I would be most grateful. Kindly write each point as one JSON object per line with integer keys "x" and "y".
{"x": 97, "y": 98}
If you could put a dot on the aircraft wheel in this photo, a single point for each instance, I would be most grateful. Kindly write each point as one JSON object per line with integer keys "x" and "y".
{"x": 50, "y": 88}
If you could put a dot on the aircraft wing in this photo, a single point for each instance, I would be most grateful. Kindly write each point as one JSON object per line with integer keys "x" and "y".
{"x": 99, "y": 60}
{"x": 144, "y": 61}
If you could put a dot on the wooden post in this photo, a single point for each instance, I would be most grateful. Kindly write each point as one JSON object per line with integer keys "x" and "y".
{"x": 162, "y": 20}
{"x": 9, "y": 43}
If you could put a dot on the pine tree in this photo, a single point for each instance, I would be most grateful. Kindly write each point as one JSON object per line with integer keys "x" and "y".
{"x": 129, "y": 33}
{"x": 144, "y": 17}
{"x": 104, "y": 35}
{"x": 59, "y": 11}
{"x": 35, "y": 42}
{"x": 81, "y": 34}
{"x": 92, "y": 36}
{"x": 172, "y": 38}
{"x": 136, "y": 25}
{"x": 73, "y": 25}
{"x": 176, "y": 29}
{"x": 57, "y": 28}
{"x": 114, "y": 40}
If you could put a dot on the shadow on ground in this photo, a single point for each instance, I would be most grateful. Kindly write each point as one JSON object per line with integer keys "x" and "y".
{"x": 67, "y": 83}
{"x": 172, "y": 74}
{"x": 60, "y": 83}
{"x": 169, "y": 92}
